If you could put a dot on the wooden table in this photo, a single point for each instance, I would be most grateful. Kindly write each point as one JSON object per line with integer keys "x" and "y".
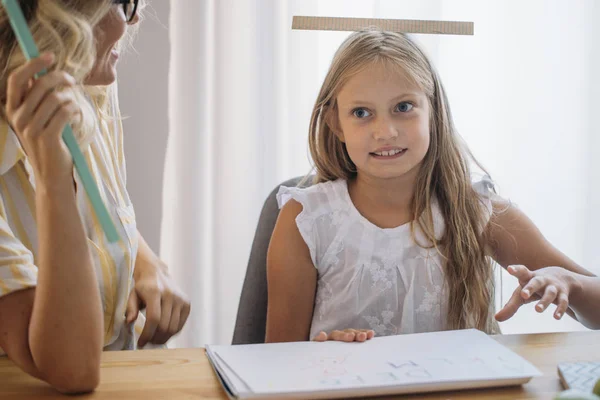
{"x": 186, "y": 374}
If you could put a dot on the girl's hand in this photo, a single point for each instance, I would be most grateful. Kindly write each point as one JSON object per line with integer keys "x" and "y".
{"x": 38, "y": 110}
{"x": 347, "y": 335}
{"x": 548, "y": 285}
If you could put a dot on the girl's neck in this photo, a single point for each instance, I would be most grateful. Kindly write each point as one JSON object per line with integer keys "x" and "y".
{"x": 385, "y": 202}
{"x": 390, "y": 193}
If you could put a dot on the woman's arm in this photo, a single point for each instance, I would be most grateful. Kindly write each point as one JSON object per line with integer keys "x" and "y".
{"x": 55, "y": 331}
{"x": 167, "y": 308}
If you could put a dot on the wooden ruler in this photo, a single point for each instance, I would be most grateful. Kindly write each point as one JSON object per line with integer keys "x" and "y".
{"x": 394, "y": 25}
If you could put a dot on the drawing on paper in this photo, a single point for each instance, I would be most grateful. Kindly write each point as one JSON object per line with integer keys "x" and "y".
{"x": 329, "y": 366}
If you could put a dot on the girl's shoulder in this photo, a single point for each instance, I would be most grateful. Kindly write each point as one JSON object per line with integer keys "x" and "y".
{"x": 316, "y": 199}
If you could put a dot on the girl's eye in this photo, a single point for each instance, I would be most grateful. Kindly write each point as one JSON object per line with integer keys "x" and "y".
{"x": 361, "y": 113}
{"x": 404, "y": 107}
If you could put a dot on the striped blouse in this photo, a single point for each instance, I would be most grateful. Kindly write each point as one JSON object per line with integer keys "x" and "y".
{"x": 113, "y": 262}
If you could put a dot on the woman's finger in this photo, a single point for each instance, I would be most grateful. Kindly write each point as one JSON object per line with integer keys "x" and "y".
{"x": 162, "y": 330}
{"x": 153, "y": 318}
{"x": 174, "y": 324}
{"x": 185, "y": 313}
{"x": 64, "y": 114}
{"x": 41, "y": 118}
{"x": 44, "y": 91}
{"x": 19, "y": 80}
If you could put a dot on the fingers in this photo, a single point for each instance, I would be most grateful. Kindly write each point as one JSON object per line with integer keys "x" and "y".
{"x": 347, "y": 335}
{"x": 546, "y": 284}
{"x": 554, "y": 295}
{"x": 162, "y": 330}
{"x": 18, "y": 81}
{"x": 64, "y": 114}
{"x": 33, "y": 105}
{"x": 361, "y": 335}
{"x": 41, "y": 101}
{"x": 550, "y": 293}
{"x": 47, "y": 109}
{"x": 521, "y": 272}
{"x": 133, "y": 308}
{"x": 175, "y": 310}
{"x": 562, "y": 305}
{"x": 341, "y": 336}
{"x": 511, "y": 307}
{"x": 185, "y": 313}
{"x": 355, "y": 335}
{"x": 535, "y": 285}
{"x": 153, "y": 318}
{"x": 174, "y": 324}
{"x": 321, "y": 337}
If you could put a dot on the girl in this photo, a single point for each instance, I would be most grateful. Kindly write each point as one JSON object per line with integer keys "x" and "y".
{"x": 395, "y": 238}
{"x": 65, "y": 292}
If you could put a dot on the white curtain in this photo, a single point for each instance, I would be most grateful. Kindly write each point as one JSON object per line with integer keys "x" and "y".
{"x": 242, "y": 85}
{"x": 231, "y": 86}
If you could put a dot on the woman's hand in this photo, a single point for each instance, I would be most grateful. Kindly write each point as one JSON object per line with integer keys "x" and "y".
{"x": 38, "y": 110}
{"x": 347, "y": 335}
{"x": 167, "y": 308}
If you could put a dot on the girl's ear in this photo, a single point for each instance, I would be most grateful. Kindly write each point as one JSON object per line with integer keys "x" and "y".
{"x": 333, "y": 122}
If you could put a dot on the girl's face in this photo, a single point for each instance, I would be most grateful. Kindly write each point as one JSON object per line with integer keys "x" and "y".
{"x": 108, "y": 32}
{"x": 384, "y": 121}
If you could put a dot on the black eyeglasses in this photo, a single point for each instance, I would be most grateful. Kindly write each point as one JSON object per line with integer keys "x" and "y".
{"x": 129, "y": 7}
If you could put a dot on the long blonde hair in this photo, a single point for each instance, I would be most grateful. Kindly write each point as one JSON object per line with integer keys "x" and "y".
{"x": 65, "y": 28}
{"x": 444, "y": 175}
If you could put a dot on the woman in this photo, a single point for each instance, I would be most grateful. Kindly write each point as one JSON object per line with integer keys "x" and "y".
{"x": 66, "y": 293}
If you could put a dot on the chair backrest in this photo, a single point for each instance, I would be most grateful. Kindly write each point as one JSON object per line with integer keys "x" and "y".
{"x": 251, "y": 318}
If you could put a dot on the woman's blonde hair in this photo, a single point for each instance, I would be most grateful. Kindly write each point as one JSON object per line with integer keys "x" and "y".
{"x": 67, "y": 29}
{"x": 444, "y": 175}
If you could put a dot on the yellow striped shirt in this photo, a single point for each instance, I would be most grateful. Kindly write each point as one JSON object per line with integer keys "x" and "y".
{"x": 113, "y": 263}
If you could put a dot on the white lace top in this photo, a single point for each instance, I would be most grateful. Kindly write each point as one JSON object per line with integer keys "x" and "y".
{"x": 369, "y": 277}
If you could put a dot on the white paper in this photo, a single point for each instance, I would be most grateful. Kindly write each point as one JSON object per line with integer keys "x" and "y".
{"x": 419, "y": 362}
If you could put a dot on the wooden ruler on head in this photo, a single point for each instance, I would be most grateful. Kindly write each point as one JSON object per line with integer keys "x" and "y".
{"x": 394, "y": 25}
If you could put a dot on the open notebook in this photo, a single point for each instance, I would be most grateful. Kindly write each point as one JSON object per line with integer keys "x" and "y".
{"x": 402, "y": 364}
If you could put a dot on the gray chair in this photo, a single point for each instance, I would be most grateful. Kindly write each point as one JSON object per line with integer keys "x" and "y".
{"x": 251, "y": 318}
